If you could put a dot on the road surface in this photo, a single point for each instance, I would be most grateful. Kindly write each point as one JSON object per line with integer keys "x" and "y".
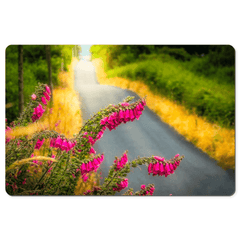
{"x": 197, "y": 175}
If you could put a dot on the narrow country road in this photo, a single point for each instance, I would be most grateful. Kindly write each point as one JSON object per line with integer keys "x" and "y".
{"x": 197, "y": 175}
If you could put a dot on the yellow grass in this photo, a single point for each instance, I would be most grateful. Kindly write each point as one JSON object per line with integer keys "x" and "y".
{"x": 218, "y": 142}
{"x": 26, "y": 160}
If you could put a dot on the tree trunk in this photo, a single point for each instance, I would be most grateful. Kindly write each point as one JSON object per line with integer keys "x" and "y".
{"x": 20, "y": 78}
{"x": 48, "y": 57}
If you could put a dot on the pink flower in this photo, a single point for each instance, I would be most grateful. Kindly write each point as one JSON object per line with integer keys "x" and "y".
{"x": 39, "y": 144}
{"x": 155, "y": 168}
{"x": 150, "y": 167}
{"x": 123, "y": 184}
{"x": 70, "y": 145}
{"x": 46, "y": 96}
{"x": 121, "y": 115}
{"x": 143, "y": 187}
{"x": 99, "y": 135}
{"x": 159, "y": 158}
{"x": 177, "y": 155}
{"x": 34, "y": 97}
{"x": 127, "y": 116}
{"x": 140, "y": 107}
{"x": 103, "y": 121}
{"x": 122, "y": 162}
{"x": 161, "y": 169}
{"x": 48, "y": 89}
{"x": 38, "y": 112}
{"x": 52, "y": 142}
{"x": 44, "y": 100}
{"x": 85, "y": 177}
{"x": 125, "y": 104}
{"x": 151, "y": 190}
{"x": 64, "y": 145}
{"x": 35, "y": 161}
{"x": 91, "y": 140}
{"x": 83, "y": 168}
{"x": 92, "y": 150}
{"x": 73, "y": 176}
{"x": 144, "y": 102}
{"x": 58, "y": 142}
{"x": 132, "y": 117}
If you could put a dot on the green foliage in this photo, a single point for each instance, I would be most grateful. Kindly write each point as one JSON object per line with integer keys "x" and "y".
{"x": 215, "y": 101}
{"x": 201, "y": 77}
{"x": 218, "y": 64}
{"x": 34, "y": 70}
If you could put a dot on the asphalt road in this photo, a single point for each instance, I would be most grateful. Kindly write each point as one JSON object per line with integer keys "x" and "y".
{"x": 197, "y": 175}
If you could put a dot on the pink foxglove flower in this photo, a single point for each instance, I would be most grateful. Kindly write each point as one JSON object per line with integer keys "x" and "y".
{"x": 177, "y": 155}
{"x": 44, "y": 101}
{"x": 159, "y": 158}
{"x": 34, "y": 97}
{"x": 92, "y": 150}
{"x": 91, "y": 140}
{"x": 64, "y": 145}
{"x": 122, "y": 162}
{"x": 8, "y": 129}
{"x": 143, "y": 187}
{"x": 151, "y": 190}
{"x": 48, "y": 89}
{"x": 46, "y": 96}
{"x": 58, "y": 142}
{"x": 38, "y": 112}
{"x": 52, "y": 142}
{"x": 122, "y": 185}
{"x": 150, "y": 167}
{"x": 85, "y": 177}
{"x": 39, "y": 144}
{"x": 125, "y": 104}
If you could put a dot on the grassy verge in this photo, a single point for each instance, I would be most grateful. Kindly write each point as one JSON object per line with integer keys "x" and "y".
{"x": 64, "y": 117}
{"x": 217, "y": 141}
{"x": 204, "y": 96}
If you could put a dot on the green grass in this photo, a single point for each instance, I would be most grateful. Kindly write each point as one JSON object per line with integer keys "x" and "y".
{"x": 210, "y": 97}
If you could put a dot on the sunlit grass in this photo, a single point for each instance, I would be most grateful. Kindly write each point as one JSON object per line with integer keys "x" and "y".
{"x": 218, "y": 142}
{"x": 64, "y": 117}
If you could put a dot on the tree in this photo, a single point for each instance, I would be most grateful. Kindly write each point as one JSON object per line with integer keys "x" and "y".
{"x": 48, "y": 57}
{"x": 20, "y": 78}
